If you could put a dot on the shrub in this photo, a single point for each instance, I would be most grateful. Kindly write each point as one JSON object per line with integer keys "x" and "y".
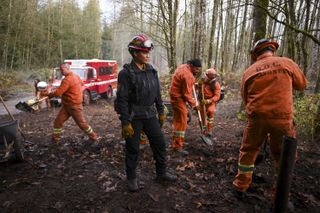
{"x": 307, "y": 115}
{"x": 6, "y": 81}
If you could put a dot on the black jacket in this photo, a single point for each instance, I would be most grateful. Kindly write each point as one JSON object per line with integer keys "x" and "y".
{"x": 138, "y": 94}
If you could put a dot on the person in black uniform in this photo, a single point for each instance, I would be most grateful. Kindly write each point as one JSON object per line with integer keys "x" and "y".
{"x": 138, "y": 103}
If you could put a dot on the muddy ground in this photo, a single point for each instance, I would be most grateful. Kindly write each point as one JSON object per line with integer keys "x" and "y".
{"x": 70, "y": 178}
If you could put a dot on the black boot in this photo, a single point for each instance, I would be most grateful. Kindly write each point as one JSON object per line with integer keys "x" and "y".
{"x": 182, "y": 152}
{"x": 239, "y": 194}
{"x": 166, "y": 177}
{"x": 133, "y": 185}
{"x": 92, "y": 146}
{"x": 290, "y": 207}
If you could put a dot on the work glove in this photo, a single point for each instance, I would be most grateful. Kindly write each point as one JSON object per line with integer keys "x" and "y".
{"x": 206, "y": 101}
{"x": 161, "y": 119}
{"x": 127, "y": 130}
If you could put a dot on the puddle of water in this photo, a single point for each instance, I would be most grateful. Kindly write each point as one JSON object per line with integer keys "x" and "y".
{"x": 13, "y": 101}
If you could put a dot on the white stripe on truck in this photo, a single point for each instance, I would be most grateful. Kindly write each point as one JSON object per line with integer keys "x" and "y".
{"x": 100, "y": 83}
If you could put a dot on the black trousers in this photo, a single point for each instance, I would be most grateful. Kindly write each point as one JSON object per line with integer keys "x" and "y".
{"x": 157, "y": 143}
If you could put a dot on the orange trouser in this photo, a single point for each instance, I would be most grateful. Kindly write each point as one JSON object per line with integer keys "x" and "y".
{"x": 75, "y": 112}
{"x": 210, "y": 108}
{"x": 180, "y": 113}
{"x": 254, "y": 135}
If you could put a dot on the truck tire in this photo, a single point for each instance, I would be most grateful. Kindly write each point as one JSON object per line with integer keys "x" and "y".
{"x": 86, "y": 98}
{"x": 109, "y": 92}
{"x": 18, "y": 150}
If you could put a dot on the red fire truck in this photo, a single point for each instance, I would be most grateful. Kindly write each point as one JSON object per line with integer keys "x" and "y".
{"x": 99, "y": 77}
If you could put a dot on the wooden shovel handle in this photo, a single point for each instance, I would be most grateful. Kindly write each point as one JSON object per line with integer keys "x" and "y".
{"x": 5, "y": 106}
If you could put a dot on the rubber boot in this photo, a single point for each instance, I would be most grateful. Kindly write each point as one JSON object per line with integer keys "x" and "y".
{"x": 93, "y": 144}
{"x": 166, "y": 177}
{"x": 182, "y": 152}
{"x": 133, "y": 185}
{"x": 93, "y": 136}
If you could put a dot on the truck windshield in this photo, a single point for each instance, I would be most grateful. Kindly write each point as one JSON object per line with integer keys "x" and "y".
{"x": 81, "y": 72}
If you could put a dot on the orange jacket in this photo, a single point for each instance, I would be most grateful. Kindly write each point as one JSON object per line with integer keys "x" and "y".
{"x": 267, "y": 87}
{"x": 209, "y": 94}
{"x": 181, "y": 85}
{"x": 70, "y": 90}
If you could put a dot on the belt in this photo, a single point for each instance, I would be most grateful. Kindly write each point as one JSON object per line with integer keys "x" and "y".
{"x": 140, "y": 108}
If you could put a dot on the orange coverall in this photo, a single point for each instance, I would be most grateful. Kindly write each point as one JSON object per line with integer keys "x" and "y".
{"x": 266, "y": 89}
{"x": 210, "y": 108}
{"x": 180, "y": 94}
{"x": 71, "y": 99}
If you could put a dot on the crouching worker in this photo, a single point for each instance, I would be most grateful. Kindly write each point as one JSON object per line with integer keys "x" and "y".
{"x": 210, "y": 91}
{"x": 71, "y": 99}
{"x": 41, "y": 92}
{"x": 138, "y": 103}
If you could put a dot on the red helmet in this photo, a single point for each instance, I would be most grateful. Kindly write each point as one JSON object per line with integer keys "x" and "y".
{"x": 140, "y": 42}
{"x": 263, "y": 45}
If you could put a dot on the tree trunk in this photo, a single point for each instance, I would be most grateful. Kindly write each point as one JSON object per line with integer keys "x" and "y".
{"x": 199, "y": 28}
{"x": 60, "y": 32}
{"x": 212, "y": 31}
{"x": 236, "y": 41}
{"x": 317, "y": 88}
{"x": 185, "y": 29}
{"x": 259, "y": 19}
{"x": 169, "y": 11}
{"x": 304, "y": 40}
{"x": 220, "y": 28}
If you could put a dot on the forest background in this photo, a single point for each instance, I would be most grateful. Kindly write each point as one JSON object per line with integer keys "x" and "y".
{"x": 37, "y": 35}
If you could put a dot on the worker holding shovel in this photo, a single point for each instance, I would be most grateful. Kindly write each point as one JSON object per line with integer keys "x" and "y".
{"x": 209, "y": 91}
{"x": 181, "y": 90}
{"x": 71, "y": 97}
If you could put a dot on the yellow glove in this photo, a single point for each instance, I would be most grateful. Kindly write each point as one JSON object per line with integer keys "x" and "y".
{"x": 127, "y": 131}
{"x": 161, "y": 120}
{"x": 206, "y": 101}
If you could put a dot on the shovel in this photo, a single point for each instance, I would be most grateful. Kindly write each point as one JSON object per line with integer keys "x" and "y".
{"x": 27, "y": 107}
{"x": 205, "y": 122}
{"x": 205, "y": 139}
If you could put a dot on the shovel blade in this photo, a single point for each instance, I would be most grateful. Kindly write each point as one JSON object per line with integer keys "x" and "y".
{"x": 206, "y": 140}
{"x": 22, "y": 106}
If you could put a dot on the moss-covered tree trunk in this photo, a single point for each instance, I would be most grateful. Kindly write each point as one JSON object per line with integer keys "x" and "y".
{"x": 259, "y": 19}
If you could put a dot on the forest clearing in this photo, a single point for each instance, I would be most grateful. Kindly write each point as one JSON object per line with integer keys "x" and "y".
{"x": 69, "y": 178}
{"x": 262, "y": 56}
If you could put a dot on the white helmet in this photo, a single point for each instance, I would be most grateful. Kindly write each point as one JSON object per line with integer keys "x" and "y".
{"x": 42, "y": 85}
{"x": 211, "y": 73}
